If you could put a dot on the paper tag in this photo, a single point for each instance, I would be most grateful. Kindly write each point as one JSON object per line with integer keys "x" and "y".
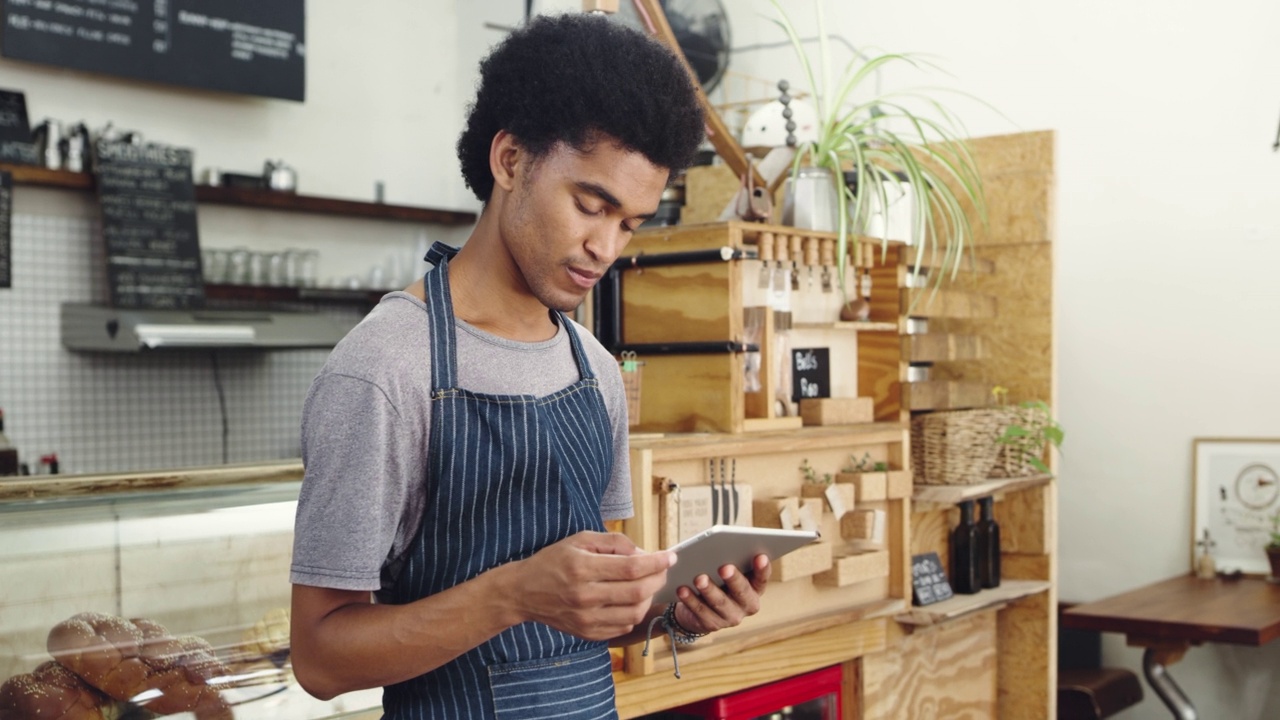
{"x": 786, "y": 519}
{"x": 878, "y": 525}
{"x": 808, "y": 522}
{"x": 835, "y": 501}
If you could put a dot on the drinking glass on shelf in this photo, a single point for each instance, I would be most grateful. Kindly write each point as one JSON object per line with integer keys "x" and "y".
{"x": 309, "y": 268}
{"x": 214, "y": 265}
{"x": 238, "y": 266}
{"x": 257, "y": 268}
{"x": 277, "y": 272}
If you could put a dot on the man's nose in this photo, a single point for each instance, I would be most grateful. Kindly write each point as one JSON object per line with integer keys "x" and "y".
{"x": 606, "y": 244}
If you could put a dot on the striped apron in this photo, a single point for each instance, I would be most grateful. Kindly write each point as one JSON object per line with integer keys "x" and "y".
{"x": 507, "y": 476}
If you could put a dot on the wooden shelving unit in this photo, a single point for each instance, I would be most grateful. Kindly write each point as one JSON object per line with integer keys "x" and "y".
{"x": 256, "y": 198}
{"x": 925, "y": 496}
{"x": 993, "y": 654}
{"x": 273, "y": 295}
{"x": 962, "y": 605}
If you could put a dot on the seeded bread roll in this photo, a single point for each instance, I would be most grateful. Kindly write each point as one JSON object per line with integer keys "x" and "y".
{"x": 139, "y": 661}
{"x": 52, "y": 692}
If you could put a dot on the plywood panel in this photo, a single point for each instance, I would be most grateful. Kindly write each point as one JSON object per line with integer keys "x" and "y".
{"x": 707, "y": 190}
{"x": 947, "y": 303}
{"x": 945, "y": 395}
{"x": 941, "y": 347}
{"x": 691, "y": 393}
{"x": 880, "y": 371}
{"x": 1026, "y": 521}
{"x": 682, "y": 303}
{"x": 1028, "y": 658}
{"x": 1019, "y": 345}
{"x": 947, "y": 673}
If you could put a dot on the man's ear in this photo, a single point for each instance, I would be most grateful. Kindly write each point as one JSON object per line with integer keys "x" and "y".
{"x": 505, "y": 155}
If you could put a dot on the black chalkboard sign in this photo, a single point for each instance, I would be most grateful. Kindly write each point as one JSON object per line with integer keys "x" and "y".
{"x": 254, "y": 47}
{"x": 149, "y": 225}
{"x": 810, "y": 373}
{"x": 6, "y": 227}
{"x": 15, "y": 130}
{"x": 928, "y": 579}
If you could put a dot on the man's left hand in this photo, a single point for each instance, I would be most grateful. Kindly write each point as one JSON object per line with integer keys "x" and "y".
{"x": 713, "y": 608}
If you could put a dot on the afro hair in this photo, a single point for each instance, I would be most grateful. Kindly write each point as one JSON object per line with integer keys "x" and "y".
{"x": 571, "y": 78}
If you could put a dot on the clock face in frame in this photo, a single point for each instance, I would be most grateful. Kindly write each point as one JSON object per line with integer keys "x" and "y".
{"x": 1256, "y": 486}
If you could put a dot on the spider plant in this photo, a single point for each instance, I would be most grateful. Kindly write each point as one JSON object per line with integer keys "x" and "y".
{"x": 930, "y": 154}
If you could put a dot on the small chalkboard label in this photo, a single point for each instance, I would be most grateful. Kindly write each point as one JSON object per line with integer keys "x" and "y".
{"x": 6, "y": 227}
{"x": 148, "y": 205}
{"x": 15, "y": 130}
{"x": 810, "y": 373}
{"x": 929, "y": 579}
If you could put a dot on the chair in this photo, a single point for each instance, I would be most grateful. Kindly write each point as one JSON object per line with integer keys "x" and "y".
{"x": 1086, "y": 690}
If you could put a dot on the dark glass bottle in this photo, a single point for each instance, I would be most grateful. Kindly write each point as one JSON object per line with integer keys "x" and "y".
{"x": 988, "y": 545}
{"x": 8, "y": 453}
{"x": 964, "y": 553}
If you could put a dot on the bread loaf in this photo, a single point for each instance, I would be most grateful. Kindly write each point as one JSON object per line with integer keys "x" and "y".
{"x": 51, "y": 692}
{"x": 139, "y": 661}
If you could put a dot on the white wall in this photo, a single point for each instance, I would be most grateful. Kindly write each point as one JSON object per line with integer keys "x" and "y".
{"x": 382, "y": 103}
{"x": 1167, "y": 229}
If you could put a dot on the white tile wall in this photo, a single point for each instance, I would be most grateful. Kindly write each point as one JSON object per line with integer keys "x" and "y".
{"x": 105, "y": 413}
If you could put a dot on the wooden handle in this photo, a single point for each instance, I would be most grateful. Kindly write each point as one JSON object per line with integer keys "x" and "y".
{"x": 827, "y": 249}
{"x": 797, "y": 248}
{"x": 811, "y": 251}
{"x": 765, "y": 246}
{"x": 780, "y": 248}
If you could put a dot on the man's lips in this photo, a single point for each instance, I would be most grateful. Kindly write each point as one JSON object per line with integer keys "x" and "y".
{"x": 584, "y": 278}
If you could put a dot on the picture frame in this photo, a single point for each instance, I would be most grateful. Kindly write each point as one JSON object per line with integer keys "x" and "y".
{"x": 1236, "y": 486}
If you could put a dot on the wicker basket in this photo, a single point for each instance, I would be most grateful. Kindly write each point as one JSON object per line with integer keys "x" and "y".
{"x": 1011, "y": 461}
{"x": 956, "y": 447}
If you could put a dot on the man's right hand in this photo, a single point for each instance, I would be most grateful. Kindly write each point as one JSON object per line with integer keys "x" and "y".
{"x": 595, "y": 586}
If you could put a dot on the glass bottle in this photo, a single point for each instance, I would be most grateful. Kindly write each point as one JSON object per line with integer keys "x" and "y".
{"x": 988, "y": 545}
{"x": 964, "y": 553}
{"x": 8, "y": 453}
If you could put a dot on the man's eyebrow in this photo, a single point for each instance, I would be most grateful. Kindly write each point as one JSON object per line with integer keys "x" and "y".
{"x": 600, "y": 192}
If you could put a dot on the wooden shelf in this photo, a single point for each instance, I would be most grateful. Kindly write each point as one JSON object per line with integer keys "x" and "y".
{"x": 962, "y": 605}
{"x": 258, "y": 198}
{"x": 952, "y": 494}
{"x": 866, "y": 326}
{"x": 270, "y": 294}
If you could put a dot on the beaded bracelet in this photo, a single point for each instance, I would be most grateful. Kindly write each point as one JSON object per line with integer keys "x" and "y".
{"x": 677, "y": 633}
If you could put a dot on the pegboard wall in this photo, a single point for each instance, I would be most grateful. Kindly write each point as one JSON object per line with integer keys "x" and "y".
{"x": 109, "y": 413}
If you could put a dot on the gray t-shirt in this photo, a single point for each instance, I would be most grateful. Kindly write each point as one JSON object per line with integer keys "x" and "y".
{"x": 366, "y": 425}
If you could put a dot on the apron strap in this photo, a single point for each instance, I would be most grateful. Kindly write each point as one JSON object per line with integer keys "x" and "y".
{"x": 435, "y": 288}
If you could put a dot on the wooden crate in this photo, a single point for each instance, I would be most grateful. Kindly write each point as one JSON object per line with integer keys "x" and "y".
{"x": 708, "y": 302}
{"x": 770, "y": 464}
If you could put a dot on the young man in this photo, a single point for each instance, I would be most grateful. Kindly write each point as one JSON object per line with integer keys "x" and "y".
{"x": 466, "y": 442}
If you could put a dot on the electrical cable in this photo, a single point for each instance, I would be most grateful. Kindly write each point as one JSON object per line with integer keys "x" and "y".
{"x": 222, "y": 403}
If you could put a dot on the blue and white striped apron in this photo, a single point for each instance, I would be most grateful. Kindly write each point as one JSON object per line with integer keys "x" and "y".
{"x": 507, "y": 476}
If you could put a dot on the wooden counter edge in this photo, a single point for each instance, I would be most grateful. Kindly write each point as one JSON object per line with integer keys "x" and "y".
{"x": 25, "y": 488}
{"x": 640, "y": 695}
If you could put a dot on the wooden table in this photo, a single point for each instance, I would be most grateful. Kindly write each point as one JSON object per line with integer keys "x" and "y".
{"x": 1170, "y": 616}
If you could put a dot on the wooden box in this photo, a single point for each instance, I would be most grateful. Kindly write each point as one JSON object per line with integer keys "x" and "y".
{"x": 769, "y": 462}
{"x": 855, "y": 568}
{"x": 808, "y": 560}
{"x": 708, "y": 302}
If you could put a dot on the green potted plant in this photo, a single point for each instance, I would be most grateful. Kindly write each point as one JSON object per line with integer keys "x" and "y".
{"x": 859, "y": 135}
{"x": 1273, "y": 547}
{"x": 1030, "y": 429}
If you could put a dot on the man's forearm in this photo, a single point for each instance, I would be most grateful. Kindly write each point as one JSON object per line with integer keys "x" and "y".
{"x": 363, "y": 645}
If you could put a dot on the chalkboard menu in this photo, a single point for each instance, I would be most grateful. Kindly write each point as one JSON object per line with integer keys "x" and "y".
{"x": 6, "y": 227}
{"x": 810, "y": 373}
{"x": 928, "y": 580}
{"x": 149, "y": 226}
{"x": 15, "y": 131}
{"x": 243, "y": 46}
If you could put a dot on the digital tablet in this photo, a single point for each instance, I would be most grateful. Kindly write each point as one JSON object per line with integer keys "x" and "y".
{"x": 720, "y": 545}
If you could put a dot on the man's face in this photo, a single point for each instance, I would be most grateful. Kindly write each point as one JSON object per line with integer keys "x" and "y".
{"x": 571, "y": 213}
